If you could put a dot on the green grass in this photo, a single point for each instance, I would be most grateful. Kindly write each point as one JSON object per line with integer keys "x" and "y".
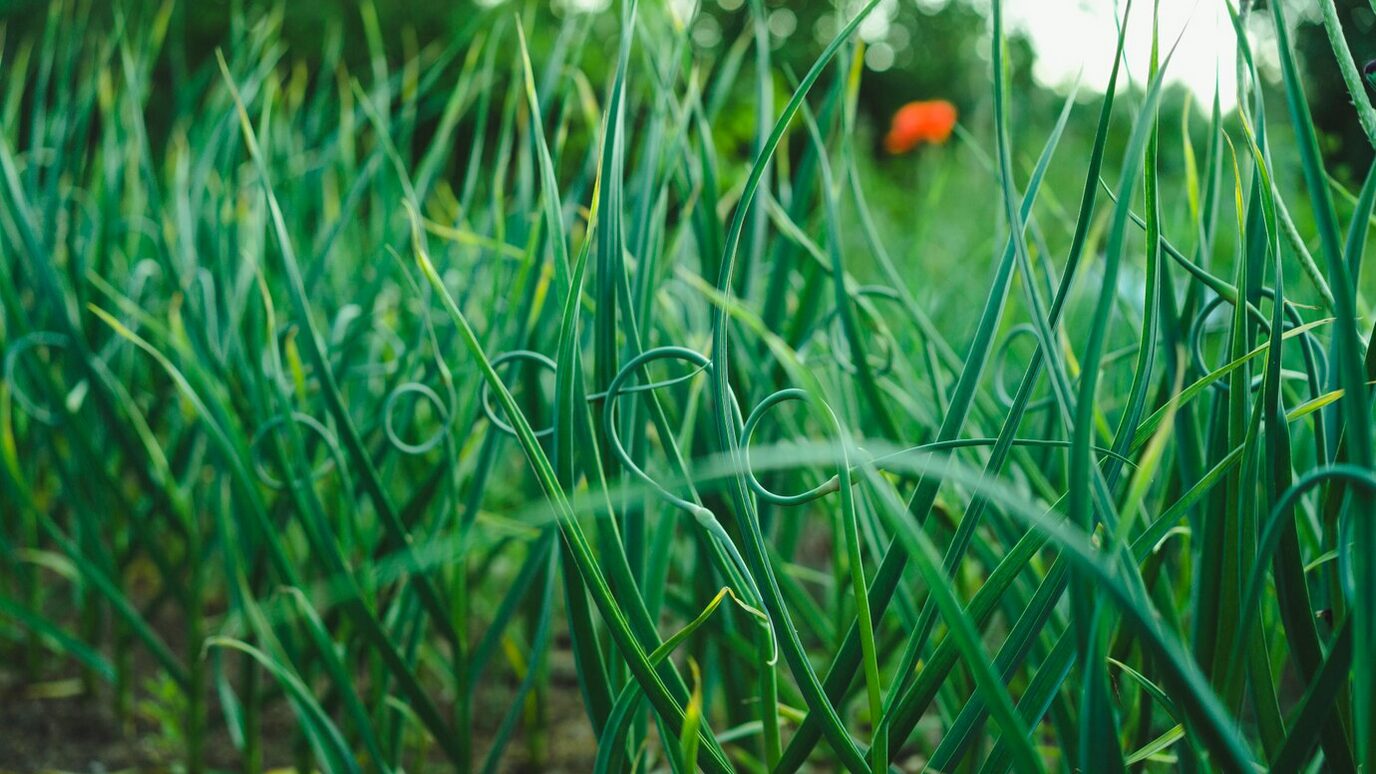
{"x": 371, "y": 393}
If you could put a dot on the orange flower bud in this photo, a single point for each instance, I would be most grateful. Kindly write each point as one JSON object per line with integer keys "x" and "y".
{"x": 919, "y": 122}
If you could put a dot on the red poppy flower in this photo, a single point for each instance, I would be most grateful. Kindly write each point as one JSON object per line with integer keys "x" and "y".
{"x": 919, "y": 122}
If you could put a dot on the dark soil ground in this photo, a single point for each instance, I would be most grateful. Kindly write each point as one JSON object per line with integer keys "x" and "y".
{"x": 64, "y": 733}
{"x": 52, "y": 726}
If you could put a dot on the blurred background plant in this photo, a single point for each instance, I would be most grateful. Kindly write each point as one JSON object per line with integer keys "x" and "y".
{"x": 916, "y": 49}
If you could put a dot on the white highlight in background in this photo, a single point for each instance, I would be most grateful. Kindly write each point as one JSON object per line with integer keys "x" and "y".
{"x": 1072, "y": 34}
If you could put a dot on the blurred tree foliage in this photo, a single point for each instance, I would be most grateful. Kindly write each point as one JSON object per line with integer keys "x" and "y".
{"x": 1345, "y": 144}
{"x": 917, "y": 49}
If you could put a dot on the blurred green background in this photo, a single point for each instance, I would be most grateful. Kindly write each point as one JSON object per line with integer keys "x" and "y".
{"x": 927, "y": 49}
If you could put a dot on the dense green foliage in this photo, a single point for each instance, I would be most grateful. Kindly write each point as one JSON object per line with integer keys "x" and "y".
{"x": 367, "y": 389}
